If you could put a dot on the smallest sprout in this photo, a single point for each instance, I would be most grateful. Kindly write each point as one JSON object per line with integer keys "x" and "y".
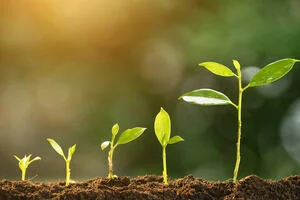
{"x": 24, "y": 163}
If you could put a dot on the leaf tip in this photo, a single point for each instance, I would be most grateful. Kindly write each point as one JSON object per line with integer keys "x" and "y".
{"x": 201, "y": 64}
{"x": 49, "y": 140}
{"x": 236, "y": 64}
{"x": 115, "y": 129}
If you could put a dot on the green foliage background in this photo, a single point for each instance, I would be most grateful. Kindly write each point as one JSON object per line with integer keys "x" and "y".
{"x": 69, "y": 71}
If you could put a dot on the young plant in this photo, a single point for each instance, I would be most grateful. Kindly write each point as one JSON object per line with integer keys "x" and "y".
{"x": 162, "y": 128}
{"x": 209, "y": 97}
{"x": 24, "y": 163}
{"x": 127, "y": 136}
{"x": 59, "y": 150}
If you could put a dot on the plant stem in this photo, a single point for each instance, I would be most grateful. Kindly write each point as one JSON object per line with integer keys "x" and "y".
{"x": 238, "y": 144}
{"x": 110, "y": 163}
{"x": 23, "y": 174}
{"x": 110, "y": 157}
{"x": 68, "y": 172}
{"x": 164, "y": 165}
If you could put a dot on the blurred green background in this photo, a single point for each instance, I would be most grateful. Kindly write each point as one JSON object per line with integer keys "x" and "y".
{"x": 69, "y": 70}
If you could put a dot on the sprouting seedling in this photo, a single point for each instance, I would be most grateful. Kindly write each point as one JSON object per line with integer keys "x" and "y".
{"x": 209, "y": 97}
{"x": 162, "y": 128}
{"x": 59, "y": 150}
{"x": 24, "y": 163}
{"x": 127, "y": 136}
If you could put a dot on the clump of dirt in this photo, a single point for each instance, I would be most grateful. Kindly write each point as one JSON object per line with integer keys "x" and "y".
{"x": 152, "y": 188}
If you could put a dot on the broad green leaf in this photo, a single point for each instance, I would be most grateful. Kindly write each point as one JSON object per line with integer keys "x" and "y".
{"x": 71, "y": 151}
{"x": 206, "y": 97}
{"x": 236, "y": 64}
{"x": 56, "y": 147}
{"x": 175, "y": 139}
{"x": 272, "y": 72}
{"x": 217, "y": 68}
{"x": 115, "y": 129}
{"x": 105, "y": 144}
{"x": 162, "y": 127}
{"x": 130, "y": 134}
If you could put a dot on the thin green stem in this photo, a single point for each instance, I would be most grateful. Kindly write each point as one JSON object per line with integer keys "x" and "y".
{"x": 68, "y": 172}
{"x": 23, "y": 174}
{"x": 238, "y": 144}
{"x": 165, "y": 176}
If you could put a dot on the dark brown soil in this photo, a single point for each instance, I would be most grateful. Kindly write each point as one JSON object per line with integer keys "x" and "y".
{"x": 151, "y": 187}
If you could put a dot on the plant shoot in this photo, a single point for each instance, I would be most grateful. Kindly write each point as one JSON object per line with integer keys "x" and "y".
{"x": 209, "y": 97}
{"x": 59, "y": 150}
{"x": 162, "y": 128}
{"x": 125, "y": 137}
{"x": 24, "y": 163}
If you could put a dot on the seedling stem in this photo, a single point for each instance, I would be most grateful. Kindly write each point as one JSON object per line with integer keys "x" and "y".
{"x": 110, "y": 157}
{"x": 164, "y": 155}
{"x": 238, "y": 144}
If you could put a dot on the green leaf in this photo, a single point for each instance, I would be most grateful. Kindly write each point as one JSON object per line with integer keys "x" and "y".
{"x": 162, "y": 127}
{"x": 272, "y": 72}
{"x": 115, "y": 129}
{"x": 35, "y": 159}
{"x": 105, "y": 144}
{"x": 206, "y": 97}
{"x": 217, "y": 68}
{"x": 175, "y": 139}
{"x": 130, "y": 134}
{"x": 236, "y": 64}
{"x": 56, "y": 147}
{"x": 71, "y": 151}
{"x": 19, "y": 159}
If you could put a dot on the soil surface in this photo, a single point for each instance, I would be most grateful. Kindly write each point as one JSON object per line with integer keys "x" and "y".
{"x": 152, "y": 187}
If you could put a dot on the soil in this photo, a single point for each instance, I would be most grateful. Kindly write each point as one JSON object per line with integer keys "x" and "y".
{"x": 152, "y": 187}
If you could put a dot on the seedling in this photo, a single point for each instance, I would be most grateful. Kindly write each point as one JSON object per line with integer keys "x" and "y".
{"x": 59, "y": 150}
{"x": 127, "y": 136}
{"x": 209, "y": 97}
{"x": 24, "y": 163}
{"x": 162, "y": 128}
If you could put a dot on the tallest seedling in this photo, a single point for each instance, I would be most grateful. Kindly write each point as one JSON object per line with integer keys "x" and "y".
{"x": 209, "y": 97}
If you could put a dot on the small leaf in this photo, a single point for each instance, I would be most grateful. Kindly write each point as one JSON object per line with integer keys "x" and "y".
{"x": 56, "y": 147}
{"x": 105, "y": 144}
{"x": 115, "y": 129}
{"x": 35, "y": 159}
{"x": 217, "y": 68}
{"x": 71, "y": 151}
{"x": 130, "y": 134}
{"x": 236, "y": 65}
{"x": 19, "y": 159}
{"x": 272, "y": 72}
{"x": 27, "y": 158}
{"x": 175, "y": 139}
{"x": 162, "y": 127}
{"x": 206, "y": 97}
